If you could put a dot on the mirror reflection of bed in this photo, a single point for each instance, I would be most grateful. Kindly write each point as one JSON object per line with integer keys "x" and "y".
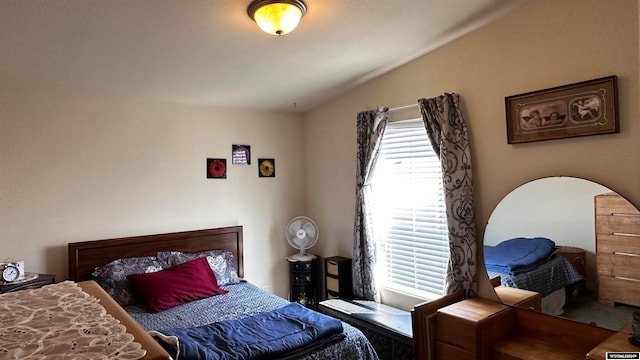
{"x": 560, "y": 209}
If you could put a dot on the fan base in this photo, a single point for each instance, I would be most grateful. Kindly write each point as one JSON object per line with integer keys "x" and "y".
{"x": 301, "y": 257}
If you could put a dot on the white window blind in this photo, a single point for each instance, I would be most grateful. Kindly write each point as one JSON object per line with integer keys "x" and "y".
{"x": 408, "y": 212}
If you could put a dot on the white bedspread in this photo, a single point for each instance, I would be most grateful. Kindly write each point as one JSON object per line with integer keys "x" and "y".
{"x": 61, "y": 321}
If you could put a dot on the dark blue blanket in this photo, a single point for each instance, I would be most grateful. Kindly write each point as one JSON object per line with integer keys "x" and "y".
{"x": 274, "y": 334}
{"x": 513, "y": 255}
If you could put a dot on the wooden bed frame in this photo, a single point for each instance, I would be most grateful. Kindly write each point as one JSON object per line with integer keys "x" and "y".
{"x": 86, "y": 255}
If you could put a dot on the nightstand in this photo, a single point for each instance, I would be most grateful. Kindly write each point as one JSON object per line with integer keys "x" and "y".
{"x": 40, "y": 281}
{"x": 576, "y": 256}
{"x": 302, "y": 276}
{"x": 337, "y": 277}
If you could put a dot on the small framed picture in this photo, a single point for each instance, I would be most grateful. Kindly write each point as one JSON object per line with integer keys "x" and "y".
{"x": 241, "y": 154}
{"x": 216, "y": 168}
{"x": 266, "y": 167}
{"x": 580, "y": 109}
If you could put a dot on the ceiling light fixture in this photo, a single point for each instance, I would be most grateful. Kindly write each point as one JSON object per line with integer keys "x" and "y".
{"x": 277, "y": 17}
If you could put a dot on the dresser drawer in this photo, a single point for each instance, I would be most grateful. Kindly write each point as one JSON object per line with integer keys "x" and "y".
{"x": 613, "y": 204}
{"x": 618, "y": 265}
{"x": 302, "y": 267}
{"x": 612, "y": 290}
{"x": 446, "y": 351}
{"x": 470, "y": 323}
{"x": 625, "y": 244}
{"x": 332, "y": 268}
{"x": 302, "y": 278}
{"x": 333, "y": 285}
{"x": 618, "y": 224}
{"x": 458, "y": 332}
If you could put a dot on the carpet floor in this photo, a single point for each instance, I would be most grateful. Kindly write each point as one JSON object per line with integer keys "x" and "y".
{"x": 585, "y": 308}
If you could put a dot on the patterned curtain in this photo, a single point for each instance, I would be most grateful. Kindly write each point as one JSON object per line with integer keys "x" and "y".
{"x": 371, "y": 125}
{"x": 448, "y": 135}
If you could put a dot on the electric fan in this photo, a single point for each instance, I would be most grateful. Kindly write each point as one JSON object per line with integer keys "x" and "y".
{"x": 301, "y": 233}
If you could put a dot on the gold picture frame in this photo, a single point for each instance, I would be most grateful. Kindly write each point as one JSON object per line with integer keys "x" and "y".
{"x": 579, "y": 109}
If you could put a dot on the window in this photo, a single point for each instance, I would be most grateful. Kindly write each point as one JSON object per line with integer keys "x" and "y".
{"x": 409, "y": 213}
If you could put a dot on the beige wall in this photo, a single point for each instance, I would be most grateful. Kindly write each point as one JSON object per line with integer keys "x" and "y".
{"x": 83, "y": 168}
{"x": 543, "y": 44}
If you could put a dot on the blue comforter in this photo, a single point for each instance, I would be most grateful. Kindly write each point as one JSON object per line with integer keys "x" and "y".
{"x": 518, "y": 254}
{"x": 274, "y": 334}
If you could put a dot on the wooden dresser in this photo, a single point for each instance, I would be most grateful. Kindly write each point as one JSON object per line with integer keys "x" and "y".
{"x": 617, "y": 226}
{"x": 479, "y": 329}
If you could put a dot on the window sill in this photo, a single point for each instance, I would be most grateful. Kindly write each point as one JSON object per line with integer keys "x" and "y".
{"x": 400, "y": 300}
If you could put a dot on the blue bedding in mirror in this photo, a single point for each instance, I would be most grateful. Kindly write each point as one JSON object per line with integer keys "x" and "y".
{"x": 545, "y": 277}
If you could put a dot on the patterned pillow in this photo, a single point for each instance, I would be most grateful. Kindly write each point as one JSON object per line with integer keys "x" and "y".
{"x": 113, "y": 276}
{"x": 220, "y": 261}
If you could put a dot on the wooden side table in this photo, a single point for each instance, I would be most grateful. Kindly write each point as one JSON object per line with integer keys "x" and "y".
{"x": 577, "y": 257}
{"x": 40, "y": 281}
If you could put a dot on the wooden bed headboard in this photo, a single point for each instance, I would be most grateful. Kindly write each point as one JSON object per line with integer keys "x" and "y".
{"x": 84, "y": 256}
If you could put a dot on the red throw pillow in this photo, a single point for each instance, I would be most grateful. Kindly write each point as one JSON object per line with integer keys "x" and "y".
{"x": 177, "y": 285}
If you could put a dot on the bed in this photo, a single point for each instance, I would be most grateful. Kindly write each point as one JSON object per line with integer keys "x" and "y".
{"x": 71, "y": 320}
{"x": 533, "y": 264}
{"x": 239, "y": 303}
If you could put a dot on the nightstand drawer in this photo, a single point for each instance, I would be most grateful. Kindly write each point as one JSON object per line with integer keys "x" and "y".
{"x": 332, "y": 268}
{"x": 333, "y": 285}
{"x": 302, "y": 266}
{"x": 302, "y": 278}
{"x": 332, "y": 295}
{"x": 337, "y": 277}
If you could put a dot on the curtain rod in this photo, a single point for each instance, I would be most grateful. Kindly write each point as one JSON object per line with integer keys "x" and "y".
{"x": 405, "y": 107}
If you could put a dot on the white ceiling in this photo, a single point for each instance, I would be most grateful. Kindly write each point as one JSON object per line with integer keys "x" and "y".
{"x": 210, "y": 52}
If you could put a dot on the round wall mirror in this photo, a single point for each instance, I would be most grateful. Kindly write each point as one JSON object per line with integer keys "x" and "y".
{"x": 560, "y": 209}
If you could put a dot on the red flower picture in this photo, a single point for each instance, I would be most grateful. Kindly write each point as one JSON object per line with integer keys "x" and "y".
{"x": 216, "y": 168}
